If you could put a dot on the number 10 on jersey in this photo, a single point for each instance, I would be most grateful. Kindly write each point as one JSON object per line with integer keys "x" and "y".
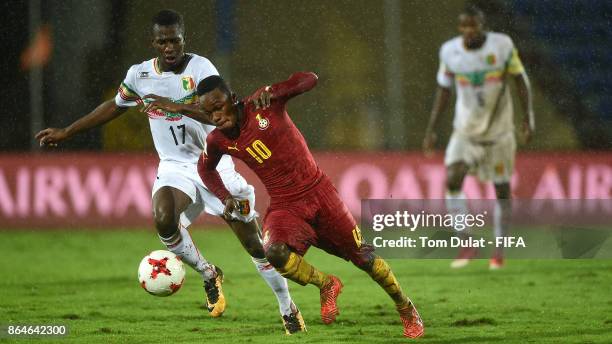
{"x": 259, "y": 151}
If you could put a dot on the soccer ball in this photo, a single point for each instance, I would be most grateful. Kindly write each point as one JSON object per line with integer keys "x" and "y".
{"x": 161, "y": 273}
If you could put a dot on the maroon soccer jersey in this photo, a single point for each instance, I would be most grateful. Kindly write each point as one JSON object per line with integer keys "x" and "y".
{"x": 269, "y": 143}
{"x": 305, "y": 208}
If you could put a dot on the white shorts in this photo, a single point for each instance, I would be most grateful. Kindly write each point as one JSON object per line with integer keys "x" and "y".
{"x": 491, "y": 161}
{"x": 185, "y": 177}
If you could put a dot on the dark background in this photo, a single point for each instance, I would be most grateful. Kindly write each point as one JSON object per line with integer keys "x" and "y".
{"x": 376, "y": 61}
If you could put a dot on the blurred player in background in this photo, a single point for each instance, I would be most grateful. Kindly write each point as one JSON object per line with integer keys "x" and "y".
{"x": 305, "y": 208}
{"x": 477, "y": 65}
{"x": 178, "y": 195}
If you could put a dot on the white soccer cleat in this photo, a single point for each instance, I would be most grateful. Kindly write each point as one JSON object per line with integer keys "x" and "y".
{"x": 465, "y": 255}
{"x": 460, "y": 263}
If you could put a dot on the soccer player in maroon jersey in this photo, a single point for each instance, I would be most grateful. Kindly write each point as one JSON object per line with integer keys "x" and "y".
{"x": 305, "y": 208}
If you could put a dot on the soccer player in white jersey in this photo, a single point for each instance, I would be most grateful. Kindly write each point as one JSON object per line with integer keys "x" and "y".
{"x": 478, "y": 64}
{"x": 179, "y": 194}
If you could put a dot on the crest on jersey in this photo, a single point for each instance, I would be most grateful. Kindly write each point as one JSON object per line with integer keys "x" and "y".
{"x": 244, "y": 207}
{"x": 491, "y": 59}
{"x": 188, "y": 83}
{"x": 262, "y": 122}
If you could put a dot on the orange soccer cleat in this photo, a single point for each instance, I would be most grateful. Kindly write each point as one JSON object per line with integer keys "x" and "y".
{"x": 496, "y": 262}
{"x": 329, "y": 294}
{"x": 413, "y": 324}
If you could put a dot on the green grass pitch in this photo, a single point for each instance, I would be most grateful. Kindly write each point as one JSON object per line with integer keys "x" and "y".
{"x": 87, "y": 281}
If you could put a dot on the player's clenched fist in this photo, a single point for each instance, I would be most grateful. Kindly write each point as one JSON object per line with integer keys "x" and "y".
{"x": 51, "y": 136}
{"x": 230, "y": 204}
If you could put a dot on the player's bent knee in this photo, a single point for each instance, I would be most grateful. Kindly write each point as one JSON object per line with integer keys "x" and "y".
{"x": 502, "y": 191}
{"x": 453, "y": 185}
{"x": 364, "y": 261}
{"x": 455, "y": 175}
{"x": 453, "y": 182}
{"x": 278, "y": 255}
{"x": 166, "y": 223}
{"x": 254, "y": 248}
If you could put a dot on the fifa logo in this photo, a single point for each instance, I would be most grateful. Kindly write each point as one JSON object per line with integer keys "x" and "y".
{"x": 263, "y": 122}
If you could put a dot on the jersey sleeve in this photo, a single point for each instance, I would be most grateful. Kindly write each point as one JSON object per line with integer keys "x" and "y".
{"x": 444, "y": 77}
{"x": 515, "y": 66}
{"x": 205, "y": 69}
{"x": 207, "y": 169}
{"x": 126, "y": 94}
{"x": 297, "y": 84}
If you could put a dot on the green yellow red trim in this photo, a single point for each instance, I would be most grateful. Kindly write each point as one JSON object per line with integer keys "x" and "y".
{"x": 156, "y": 67}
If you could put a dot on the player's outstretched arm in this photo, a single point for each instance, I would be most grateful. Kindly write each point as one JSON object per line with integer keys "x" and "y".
{"x": 523, "y": 88}
{"x": 297, "y": 84}
{"x": 189, "y": 110}
{"x": 104, "y": 113}
{"x": 440, "y": 103}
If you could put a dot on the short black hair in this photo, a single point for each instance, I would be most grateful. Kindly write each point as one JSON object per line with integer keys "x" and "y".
{"x": 211, "y": 83}
{"x": 472, "y": 10}
{"x": 169, "y": 18}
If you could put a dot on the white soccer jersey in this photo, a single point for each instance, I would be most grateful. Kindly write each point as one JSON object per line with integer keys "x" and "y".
{"x": 477, "y": 76}
{"x": 177, "y": 138}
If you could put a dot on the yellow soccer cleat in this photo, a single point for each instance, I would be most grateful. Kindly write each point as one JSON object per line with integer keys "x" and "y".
{"x": 215, "y": 300}
{"x": 294, "y": 322}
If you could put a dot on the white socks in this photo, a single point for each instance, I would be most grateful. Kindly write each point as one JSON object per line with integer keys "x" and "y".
{"x": 277, "y": 283}
{"x": 455, "y": 205}
{"x": 503, "y": 211}
{"x": 182, "y": 245}
{"x": 499, "y": 227}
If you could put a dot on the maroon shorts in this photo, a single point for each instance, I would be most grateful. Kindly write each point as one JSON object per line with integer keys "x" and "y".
{"x": 318, "y": 218}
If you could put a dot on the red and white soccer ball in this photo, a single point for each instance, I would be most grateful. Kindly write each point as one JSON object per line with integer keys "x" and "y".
{"x": 161, "y": 273}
